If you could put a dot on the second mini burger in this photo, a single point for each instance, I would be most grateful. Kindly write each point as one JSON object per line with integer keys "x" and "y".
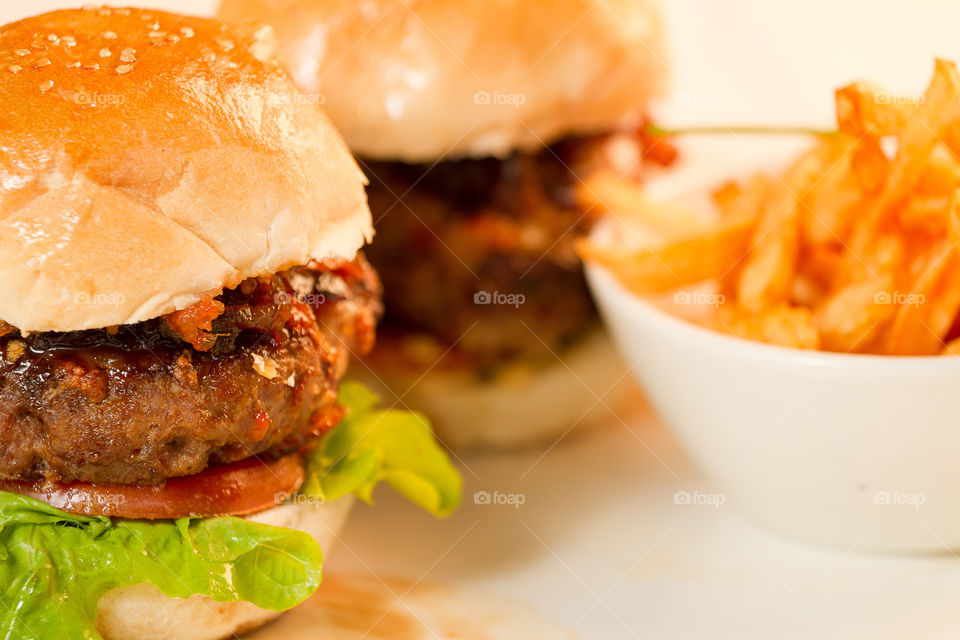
{"x": 490, "y": 130}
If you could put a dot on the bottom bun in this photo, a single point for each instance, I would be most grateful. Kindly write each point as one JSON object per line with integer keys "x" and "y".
{"x": 523, "y": 405}
{"x": 143, "y": 612}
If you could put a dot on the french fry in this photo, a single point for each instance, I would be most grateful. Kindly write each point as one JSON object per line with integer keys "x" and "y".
{"x": 766, "y": 276}
{"x": 866, "y": 109}
{"x": 855, "y": 249}
{"x": 675, "y": 264}
{"x": 926, "y": 314}
{"x": 952, "y": 348}
{"x": 830, "y": 204}
{"x": 855, "y": 315}
{"x": 743, "y": 202}
{"x": 781, "y": 325}
{"x": 941, "y": 105}
{"x": 869, "y": 165}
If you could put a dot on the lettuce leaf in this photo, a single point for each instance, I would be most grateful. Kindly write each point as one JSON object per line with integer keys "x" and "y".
{"x": 369, "y": 446}
{"x": 55, "y": 566}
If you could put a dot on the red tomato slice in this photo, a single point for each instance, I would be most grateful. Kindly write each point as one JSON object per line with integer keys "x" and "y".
{"x": 240, "y": 488}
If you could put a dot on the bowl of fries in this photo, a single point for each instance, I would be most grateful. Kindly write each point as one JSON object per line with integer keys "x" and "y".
{"x": 798, "y": 329}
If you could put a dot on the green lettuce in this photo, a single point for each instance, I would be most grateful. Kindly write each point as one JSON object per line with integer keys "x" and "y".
{"x": 370, "y": 446}
{"x": 55, "y": 566}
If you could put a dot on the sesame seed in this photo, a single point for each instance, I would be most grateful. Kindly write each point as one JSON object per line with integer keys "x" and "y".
{"x": 156, "y": 34}
{"x": 74, "y": 65}
{"x": 187, "y": 32}
{"x": 105, "y": 53}
{"x": 46, "y": 85}
{"x": 42, "y": 62}
{"x": 110, "y": 35}
{"x": 22, "y": 52}
{"x": 52, "y": 37}
{"x": 15, "y": 68}
{"x": 173, "y": 38}
{"x": 93, "y": 66}
{"x": 124, "y": 68}
{"x": 128, "y": 55}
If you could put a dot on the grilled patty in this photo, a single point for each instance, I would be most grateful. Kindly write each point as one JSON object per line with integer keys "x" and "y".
{"x": 140, "y": 403}
{"x": 479, "y": 253}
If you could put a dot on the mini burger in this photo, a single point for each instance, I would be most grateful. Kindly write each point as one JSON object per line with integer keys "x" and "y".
{"x": 489, "y": 130}
{"x": 181, "y": 290}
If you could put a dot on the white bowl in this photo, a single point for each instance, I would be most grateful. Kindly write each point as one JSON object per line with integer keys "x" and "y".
{"x": 850, "y": 450}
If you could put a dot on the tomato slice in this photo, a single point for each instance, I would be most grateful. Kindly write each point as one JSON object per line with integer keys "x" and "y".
{"x": 240, "y": 488}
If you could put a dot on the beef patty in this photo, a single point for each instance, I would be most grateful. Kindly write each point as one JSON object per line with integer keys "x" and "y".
{"x": 479, "y": 253}
{"x": 254, "y": 371}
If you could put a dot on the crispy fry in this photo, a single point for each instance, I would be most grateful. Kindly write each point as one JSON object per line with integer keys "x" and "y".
{"x": 952, "y": 348}
{"x": 743, "y": 201}
{"x": 855, "y": 315}
{"x": 830, "y": 204}
{"x": 940, "y": 106}
{"x": 926, "y": 314}
{"x": 854, "y": 249}
{"x": 781, "y": 325}
{"x": 767, "y": 275}
{"x": 679, "y": 263}
{"x": 864, "y": 108}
